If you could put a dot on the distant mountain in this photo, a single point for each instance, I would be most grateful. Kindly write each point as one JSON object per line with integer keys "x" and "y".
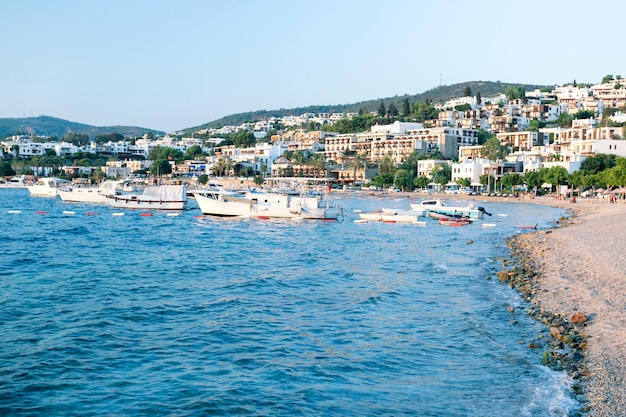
{"x": 51, "y": 126}
{"x": 437, "y": 94}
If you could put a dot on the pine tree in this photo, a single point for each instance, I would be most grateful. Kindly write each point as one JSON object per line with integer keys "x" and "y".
{"x": 382, "y": 111}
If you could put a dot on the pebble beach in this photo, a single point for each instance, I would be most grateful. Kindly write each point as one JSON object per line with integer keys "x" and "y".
{"x": 577, "y": 286}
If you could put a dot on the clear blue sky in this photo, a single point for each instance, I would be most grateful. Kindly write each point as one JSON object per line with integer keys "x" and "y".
{"x": 177, "y": 64}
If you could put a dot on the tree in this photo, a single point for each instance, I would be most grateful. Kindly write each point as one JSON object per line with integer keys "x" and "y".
{"x": 203, "y": 179}
{"x": 109, "y": 137}
{"x": 584, "y": 114}
{"x": 258, "y": 180}
{"x": 420, "y": 182}
{"x": 597, "y": 163}
{"x": 607, "y": 78}
{"x": 535, "y": 125}
{"x": 406, "y": 107}
{"x": 194, "y": 151}
{"x": 534, "y": 179}
{"x": 6, "y": 170}
{"x": 493, "y": 150}
{"x": 479, "y": 98}
{"x": 382, "y": 111}
{"x": 514, "y": 93}
{"x": 467, "y": 91}
{"x": 77, "y": 139}
{"x": 386, "y": 166}
{"x": 243, "y": 139}
{"x": 160, "y": 167}
{"x": 393, "y": 110}
{"x": 464, "y": 182}
{"x": 167, "y": 153}
{"x": 442, "y": 174}
{"x": 556, "y": 175}
{"x": 484, "y": 136}
{"x": 564, "y": 120}
{"x": 511, "y": 180}
{"x": 425, "y": 111}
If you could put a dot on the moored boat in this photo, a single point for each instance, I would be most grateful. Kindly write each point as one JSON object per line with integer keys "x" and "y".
{"x": 389, "y": 216}
{"x": 15, "y": 182}
{"x": 154, "y": 197}
{"x": 46, "y": 187}
{"x": 443, "y": 208}
{"x": 266, "y": 205}
{"x": 454, "y": 221}
{"x": 90, "y": 194}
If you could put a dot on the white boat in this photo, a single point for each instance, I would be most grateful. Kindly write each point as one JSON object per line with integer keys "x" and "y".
{"x": 154, "y": 197}
{"x": 46, "y": 187}
{"x": 443, "y": 208}
{"x": 91, "y": 194}
{"x": 409, "y": 216}
{"x": 15, "y": 182}
{"x": 266, "y": 205}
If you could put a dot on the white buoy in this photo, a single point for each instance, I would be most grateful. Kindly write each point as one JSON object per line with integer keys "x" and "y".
{"x": 173, "y": 214}
{"x": 503, "y": 215}
{"x": 68, "y": 213}
{"x": 486, "y": 225}
{"x": 118, "y": 214}
{"x": 15, "y": 211}
{"x": 360, "y": 221}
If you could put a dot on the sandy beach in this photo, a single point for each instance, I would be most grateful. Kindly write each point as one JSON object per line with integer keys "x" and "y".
{"x": 581, "y": 268}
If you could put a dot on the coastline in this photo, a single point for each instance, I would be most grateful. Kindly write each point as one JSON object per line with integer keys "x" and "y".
{"x": 574, "y": 279}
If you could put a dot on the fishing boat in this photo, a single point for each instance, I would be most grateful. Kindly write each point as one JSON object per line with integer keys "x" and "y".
{"x": 91, "y": 194}
{"x": 154, "y": 197}
{"x": 443, "y": 208}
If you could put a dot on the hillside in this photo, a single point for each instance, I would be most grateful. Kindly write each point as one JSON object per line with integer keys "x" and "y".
{"x": 51, "y": 126}
{"x": 437, "y": 94}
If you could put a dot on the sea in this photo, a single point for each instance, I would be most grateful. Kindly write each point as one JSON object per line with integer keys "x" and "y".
{"x": 104, "y": 314}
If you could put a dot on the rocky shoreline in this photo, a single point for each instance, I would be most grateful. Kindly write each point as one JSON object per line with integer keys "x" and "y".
{"x": 574, "y": 279}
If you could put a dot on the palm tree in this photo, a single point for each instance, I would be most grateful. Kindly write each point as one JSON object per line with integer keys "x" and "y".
{"x": 356, "y": 163}
{"x": 319, "y": 163}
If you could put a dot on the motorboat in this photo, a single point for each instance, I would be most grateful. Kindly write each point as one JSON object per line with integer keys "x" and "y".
{"x": 46, "y": 187}
{"x": 91, "y": 194}
{"x": 303, "y": 206}
{"x": 266, "y": 205}
{"x": 154, "y": 197}
{"x": 443, "y": 208}
{"x": 15, "y": 182}
{"x": 214, "y": 200}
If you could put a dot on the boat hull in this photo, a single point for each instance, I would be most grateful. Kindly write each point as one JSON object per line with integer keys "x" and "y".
{"x": 162, "y": 197}
{"x": 83, "y": 195}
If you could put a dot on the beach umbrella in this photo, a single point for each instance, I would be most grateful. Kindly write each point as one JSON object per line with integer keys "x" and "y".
{"x": 600, "y": 190}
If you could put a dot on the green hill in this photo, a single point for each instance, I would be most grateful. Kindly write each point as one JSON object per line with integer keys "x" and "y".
{"x": 437, "y": 95}
{"x": 51, "y": 126}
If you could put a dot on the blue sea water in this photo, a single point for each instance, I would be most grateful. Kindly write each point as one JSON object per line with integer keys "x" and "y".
{"x": 192, "y": 315}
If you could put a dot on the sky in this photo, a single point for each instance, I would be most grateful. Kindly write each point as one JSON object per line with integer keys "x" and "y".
{"x": 170, "y": 65}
